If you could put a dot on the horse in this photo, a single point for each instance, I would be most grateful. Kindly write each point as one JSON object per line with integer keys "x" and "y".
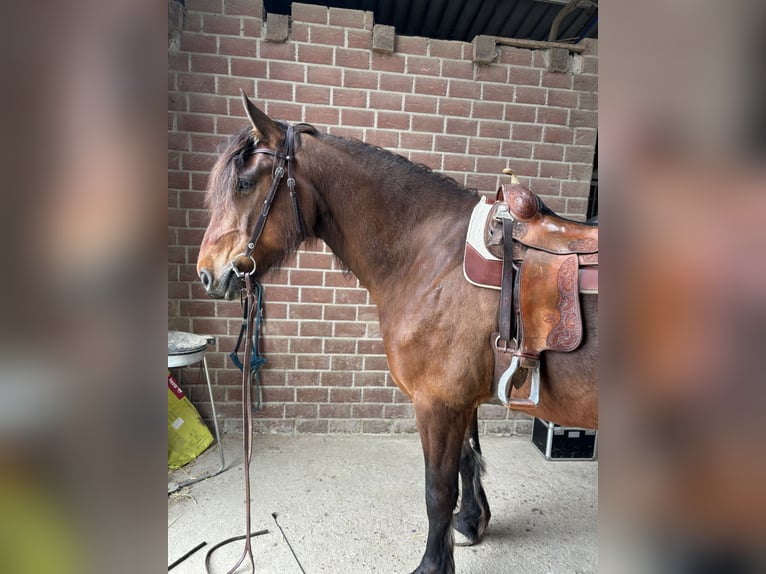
{"x": 400, "y": 228}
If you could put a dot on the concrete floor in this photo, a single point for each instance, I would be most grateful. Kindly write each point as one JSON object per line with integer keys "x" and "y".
{"x": 355, "y": 504}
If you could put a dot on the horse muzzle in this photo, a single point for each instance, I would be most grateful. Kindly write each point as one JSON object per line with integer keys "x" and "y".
{"x": 227, "y": 287}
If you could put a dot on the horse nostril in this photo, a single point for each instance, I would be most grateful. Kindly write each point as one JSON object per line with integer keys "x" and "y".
{"x": 207, "y": 279}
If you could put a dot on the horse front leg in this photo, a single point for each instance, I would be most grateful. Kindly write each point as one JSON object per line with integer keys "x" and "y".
{"x": 442, "y": 429}
{"x": 472, "y": 518}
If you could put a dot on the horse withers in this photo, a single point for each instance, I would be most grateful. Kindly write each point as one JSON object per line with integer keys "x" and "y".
{"x": 401, "y": 229}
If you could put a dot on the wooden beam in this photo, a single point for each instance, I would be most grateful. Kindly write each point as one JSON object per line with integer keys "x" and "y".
{"x": 538, "y": 44}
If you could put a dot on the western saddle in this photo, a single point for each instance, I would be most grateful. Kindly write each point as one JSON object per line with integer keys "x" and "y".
{"x": 548, "y": 261}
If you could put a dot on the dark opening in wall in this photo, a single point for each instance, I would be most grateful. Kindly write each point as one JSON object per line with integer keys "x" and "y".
{"x": 462, "y": 20}
{"x": 593, "y": 195}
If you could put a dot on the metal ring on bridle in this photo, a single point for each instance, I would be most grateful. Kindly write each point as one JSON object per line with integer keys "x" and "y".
{"x": 237, "y": 272}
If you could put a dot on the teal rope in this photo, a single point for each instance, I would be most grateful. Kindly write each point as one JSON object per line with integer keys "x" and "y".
{"x": 256, "y": 359}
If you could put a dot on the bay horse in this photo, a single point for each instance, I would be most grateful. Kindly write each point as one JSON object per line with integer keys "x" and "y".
{"x": 400, "y": 228}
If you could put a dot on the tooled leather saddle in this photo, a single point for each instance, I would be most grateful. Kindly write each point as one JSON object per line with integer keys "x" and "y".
{"x": 541, "y": 263}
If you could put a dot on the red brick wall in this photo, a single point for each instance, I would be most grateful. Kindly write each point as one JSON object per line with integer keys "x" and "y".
{"x": 326, "y": 371}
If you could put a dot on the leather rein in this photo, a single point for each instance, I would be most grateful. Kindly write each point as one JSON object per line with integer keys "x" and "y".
{"x": 252, "y": 302}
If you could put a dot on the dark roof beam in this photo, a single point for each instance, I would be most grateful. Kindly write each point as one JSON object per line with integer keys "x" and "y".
{"x": 573, "y": 26}
{"x": 536, "y": 24}
{"x": 591, "y": 28}
{"x": 503, "y": 14}
{"x": 386, "y": 12}
{"x": 369, "y": 5}
{"x": 416, "y": 16}
{"x": 452, "y": 12}
{"x": 513, "y": 28}
{"x": 483, "y": 16}
{"x": 468, "y": 16}
{"x": 432, "y": 19}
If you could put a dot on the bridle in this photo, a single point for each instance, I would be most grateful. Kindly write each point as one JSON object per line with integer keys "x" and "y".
{"x": 286, "y": 156}
{"x": 252, "y": 301}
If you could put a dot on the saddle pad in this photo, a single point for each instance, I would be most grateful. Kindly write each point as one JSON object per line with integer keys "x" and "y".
{"x": 483, "y": 269}
{"x": 480, "y": 267}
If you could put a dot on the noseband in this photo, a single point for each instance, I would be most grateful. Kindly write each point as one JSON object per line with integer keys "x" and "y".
{"x": 286, "y": 156}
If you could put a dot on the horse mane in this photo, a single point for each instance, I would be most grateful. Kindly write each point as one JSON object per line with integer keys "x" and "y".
{"x": 238, "y": 149}
{"x": 400, "y": 163}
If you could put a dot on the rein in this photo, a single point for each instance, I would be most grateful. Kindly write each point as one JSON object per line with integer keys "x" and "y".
{"x": 252, "y": 305}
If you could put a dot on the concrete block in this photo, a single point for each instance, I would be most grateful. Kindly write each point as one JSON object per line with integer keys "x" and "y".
{"x": 277, "y": 27}
{"x": 558, "y": 60}
{"x": 383, "y": 38}
{"x": 591, "y": 46}
{"x": 176, "y": 13}
{"x": 484, "y": 51}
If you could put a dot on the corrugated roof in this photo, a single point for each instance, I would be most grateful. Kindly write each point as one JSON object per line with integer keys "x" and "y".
{"x": 464, "y": 19}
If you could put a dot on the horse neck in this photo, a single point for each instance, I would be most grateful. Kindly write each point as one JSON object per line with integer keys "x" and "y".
{"x": 383, "y": 218}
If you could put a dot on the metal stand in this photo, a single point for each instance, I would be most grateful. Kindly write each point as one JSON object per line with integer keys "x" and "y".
{"x": 185, "y": 349}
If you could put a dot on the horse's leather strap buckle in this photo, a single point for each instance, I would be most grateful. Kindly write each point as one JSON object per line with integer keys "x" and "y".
{"x": 502, "y": 212}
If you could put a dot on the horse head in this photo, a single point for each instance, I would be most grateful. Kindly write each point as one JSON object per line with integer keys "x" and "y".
{"x": 255, "y": 213}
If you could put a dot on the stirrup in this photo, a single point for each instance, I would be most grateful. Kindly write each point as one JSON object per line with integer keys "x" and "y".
{"x": 505, "y": 379}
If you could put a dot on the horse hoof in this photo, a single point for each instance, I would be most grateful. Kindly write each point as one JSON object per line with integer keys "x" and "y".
{"x": 467, "y": 533}
{"x": 462, "y": 540}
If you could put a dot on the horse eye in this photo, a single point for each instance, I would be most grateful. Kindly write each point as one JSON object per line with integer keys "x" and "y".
{"x": 244, "y": 184}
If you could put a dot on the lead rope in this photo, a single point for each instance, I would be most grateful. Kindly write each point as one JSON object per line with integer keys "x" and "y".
{"x": 252, "y": 309}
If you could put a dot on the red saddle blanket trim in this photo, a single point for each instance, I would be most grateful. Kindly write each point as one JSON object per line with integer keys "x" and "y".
{"x": 480, "y": 271}
{"x": 480, "y": 267}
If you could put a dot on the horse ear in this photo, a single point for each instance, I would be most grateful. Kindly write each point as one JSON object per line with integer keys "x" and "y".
{"x": 266, "y": 129}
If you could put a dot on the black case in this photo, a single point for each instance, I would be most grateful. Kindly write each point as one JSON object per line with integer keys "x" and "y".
{"x": 564, "y": 443}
